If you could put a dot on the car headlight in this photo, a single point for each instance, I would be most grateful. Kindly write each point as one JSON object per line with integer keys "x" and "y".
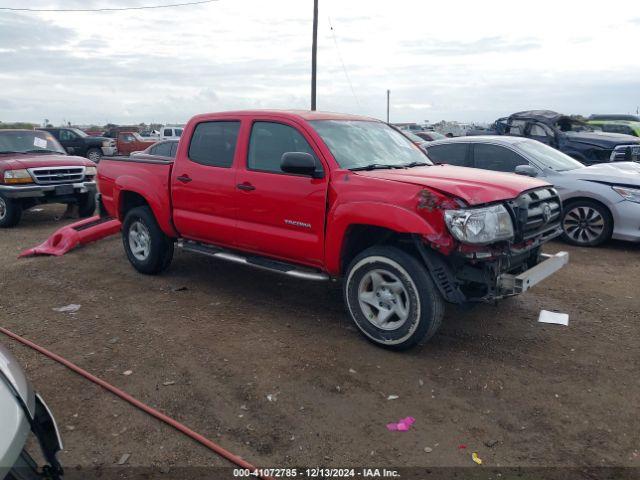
{"x": 631, "y": 194}
{"x": 90, "y": 171}
{"x": 480, "y": 225}
{"x": 17, "y": 176}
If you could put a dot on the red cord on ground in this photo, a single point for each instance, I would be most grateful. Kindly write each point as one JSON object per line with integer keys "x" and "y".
{"x": 125, "y": 396}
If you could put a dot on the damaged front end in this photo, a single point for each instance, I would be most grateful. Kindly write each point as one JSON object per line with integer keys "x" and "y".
{"x": 496, "y": 250}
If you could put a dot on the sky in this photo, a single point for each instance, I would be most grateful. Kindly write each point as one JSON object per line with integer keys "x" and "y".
{"x": 461, "y": 60}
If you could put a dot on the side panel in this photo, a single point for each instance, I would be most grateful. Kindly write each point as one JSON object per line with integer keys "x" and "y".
{"x": 149, "y": 180}
{"x": 357, "y": 200}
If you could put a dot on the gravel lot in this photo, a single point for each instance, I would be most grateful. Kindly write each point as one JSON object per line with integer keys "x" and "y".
{"x": 207, "y": 342}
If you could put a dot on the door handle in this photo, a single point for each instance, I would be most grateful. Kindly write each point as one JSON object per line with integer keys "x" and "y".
{"x": 184, "y": 178}
{"x": 246, "y": 186}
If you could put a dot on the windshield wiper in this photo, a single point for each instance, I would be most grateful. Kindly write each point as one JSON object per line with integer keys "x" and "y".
{"x": 39, "y": 151}
{"x": 375, "y": 166}
{"x": 415, "y": 164}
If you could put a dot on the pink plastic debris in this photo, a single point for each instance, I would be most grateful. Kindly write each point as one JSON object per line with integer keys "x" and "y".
{"x": 402, "y": 426}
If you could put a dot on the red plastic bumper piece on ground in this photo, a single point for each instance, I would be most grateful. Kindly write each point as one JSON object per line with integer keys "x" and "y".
{"x": 70, "y": 236}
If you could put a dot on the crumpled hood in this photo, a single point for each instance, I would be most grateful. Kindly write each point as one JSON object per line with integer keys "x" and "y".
{"x": 472, "y": 185}
{"x": 602, "y": 139}
{"x": 12, "y": 162}
{"x": 621, "y": 173}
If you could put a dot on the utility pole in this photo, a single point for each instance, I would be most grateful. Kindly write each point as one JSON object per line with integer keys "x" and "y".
{"x": 314, "y": 55}
{"x": 388, "y": 96}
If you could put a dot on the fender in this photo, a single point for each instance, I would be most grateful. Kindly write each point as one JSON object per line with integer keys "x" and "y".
{"x": 157, "y": 199}
{"x": 378, "y": 214}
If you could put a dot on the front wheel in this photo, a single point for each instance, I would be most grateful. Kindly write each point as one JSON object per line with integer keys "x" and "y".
{"x": 148, "y": 249}
{"x": 10, "y": 212}
{"x": 586, "y": 223}
{"x": 94, "y": 154}
{"x": 392, "y": 299}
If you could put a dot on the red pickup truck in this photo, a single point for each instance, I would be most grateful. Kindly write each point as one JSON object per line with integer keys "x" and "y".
{"x": 322, "y": 196}
{"x": 35, "y": 169}
{"x": 129, "y": 142}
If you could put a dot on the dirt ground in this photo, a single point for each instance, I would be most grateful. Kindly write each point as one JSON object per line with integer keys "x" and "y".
{"x": 207, "y": 342}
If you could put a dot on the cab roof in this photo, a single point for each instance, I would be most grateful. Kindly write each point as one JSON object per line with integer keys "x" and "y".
{"x": 307, "y": 115}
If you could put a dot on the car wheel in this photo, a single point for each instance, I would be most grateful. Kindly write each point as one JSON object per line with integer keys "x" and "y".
{"x": 86, "y": 204}
{"x": 392, "y": 299}
{"x": 94, "y": 154}
{"x": 586, "y": 223}
{"x": 10, "y": 212}
{"x": 148, "y": 249}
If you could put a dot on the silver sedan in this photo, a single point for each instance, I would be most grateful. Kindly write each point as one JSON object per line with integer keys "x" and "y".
{"x": 600, "y": 202}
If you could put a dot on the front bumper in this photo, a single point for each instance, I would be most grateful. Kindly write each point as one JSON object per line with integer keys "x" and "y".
{"x": 109, "y": 151}
{"x": 510, "y": 284}
{"x": 37, "y": 191}
{"x": 626, "y": 221}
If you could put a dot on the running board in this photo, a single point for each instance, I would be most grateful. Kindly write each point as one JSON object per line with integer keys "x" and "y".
{"x": 262, "y": 263}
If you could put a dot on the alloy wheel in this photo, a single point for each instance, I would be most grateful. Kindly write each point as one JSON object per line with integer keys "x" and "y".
{"x": 139, "y": 241}
{"x": 583, "y": 224}
{"x": 383, "y": 299}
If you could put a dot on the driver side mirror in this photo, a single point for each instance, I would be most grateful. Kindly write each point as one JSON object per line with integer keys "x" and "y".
{"x": 300, "y": 163}
{"x": 527, "y": 170}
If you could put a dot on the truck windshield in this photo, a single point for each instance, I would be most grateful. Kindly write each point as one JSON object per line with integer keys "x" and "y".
{"x": 28, "y": 141}
{"x": 549, "y": 157}
{"x": 79, "y": 132}
{"x": 357, "y": 144}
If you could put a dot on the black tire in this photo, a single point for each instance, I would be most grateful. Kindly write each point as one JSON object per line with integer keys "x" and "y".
{"x": 86, "y": 204}
{"x": 160, "y": 247}
{"x": 10, "y": 212}
{"x": 422, "y": 303}
{"x": 586, "y": 223}
{"x": 94, "y": 154}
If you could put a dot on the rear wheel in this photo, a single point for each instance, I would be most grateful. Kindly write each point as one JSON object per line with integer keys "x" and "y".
{"x": 586, "y": 223}
{"x": 148, "y": 249}
{"x": 392, "y": 299}
{"x": 10, "y": 212}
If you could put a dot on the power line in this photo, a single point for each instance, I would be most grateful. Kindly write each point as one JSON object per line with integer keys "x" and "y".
{"x": 113, "y": 9}
{"x": 344, "y": 68}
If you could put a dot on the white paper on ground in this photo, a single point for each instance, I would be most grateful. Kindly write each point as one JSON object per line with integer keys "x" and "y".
{"x": 553, "y": 317}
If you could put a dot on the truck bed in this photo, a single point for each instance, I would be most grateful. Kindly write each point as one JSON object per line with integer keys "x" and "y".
{"x": 145, "y": 176}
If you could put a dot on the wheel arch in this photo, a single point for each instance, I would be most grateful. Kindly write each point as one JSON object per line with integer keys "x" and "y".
{"x": 129, "y": 193}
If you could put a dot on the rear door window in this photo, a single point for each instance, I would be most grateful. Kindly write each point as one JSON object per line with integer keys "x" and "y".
{"x": 452, "y": 154}
{"x": 214, "y": 143}
{"x": 496, "y": 157}
{"x": 174, "y": 149}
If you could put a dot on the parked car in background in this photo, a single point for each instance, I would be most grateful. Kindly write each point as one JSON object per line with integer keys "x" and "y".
{"x": 614, "y": 116}
{"x": 167, "y": 133}
{"x": 35, "y": 169}
{"x": 77, "y": 142}
{"x": 164, "y": 149}
{"x": 114, "y": 131}
{"x": 128, "y": 142}
{"x": 429, "y": 136}
{"x": 600, "y": 202}
{"x": 23, "y": 413}
{"x": 316, "y": 195}
{"x": 417, "y": 141}
{"x": 573, "y": 137}
{"x": 410, "y": 127}
{"x": 627, "y": 127}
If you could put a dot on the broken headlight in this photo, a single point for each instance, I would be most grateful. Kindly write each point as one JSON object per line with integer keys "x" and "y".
{"x": 480, "y": 225}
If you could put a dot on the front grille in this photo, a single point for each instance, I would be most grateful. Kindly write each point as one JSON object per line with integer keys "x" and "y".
{"x": 537, "y": 213}
{"x": 626, "y": 153}
{"x": 49, "y": 175}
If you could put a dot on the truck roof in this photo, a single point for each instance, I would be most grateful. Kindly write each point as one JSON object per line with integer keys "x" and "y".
{"x": 295, "y": 114}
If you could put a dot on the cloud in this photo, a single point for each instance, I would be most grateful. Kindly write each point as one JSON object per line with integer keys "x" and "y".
{"x": 483, "y": 45}
{"x": 21, "y": 31}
